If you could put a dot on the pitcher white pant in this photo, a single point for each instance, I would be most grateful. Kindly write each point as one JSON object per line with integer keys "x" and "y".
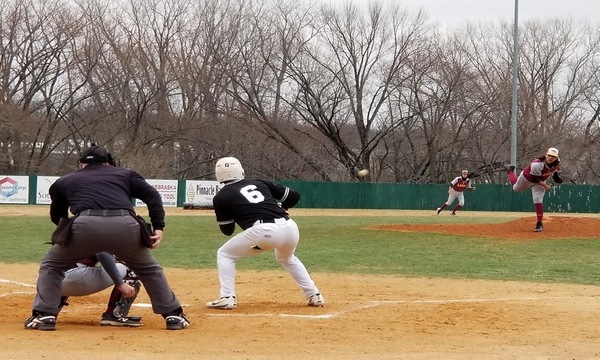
{"x": 537, "y": 191}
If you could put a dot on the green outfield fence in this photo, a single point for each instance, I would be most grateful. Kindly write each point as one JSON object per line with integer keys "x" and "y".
{"x": 488, "y": 197}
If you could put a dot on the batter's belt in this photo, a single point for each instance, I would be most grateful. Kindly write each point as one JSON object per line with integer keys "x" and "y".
{"x": 272, "y": 221}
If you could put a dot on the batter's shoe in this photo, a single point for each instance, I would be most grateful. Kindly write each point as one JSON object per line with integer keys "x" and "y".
{"x": 223, "y": 303}
{"x": 453, "y": 213}
{"x": 177, "y": 322}
{"x": 41, "y": 322}
{"x": 539, "y": 227}
{"x": 439, "y": 210}
{"x": 316, "y": 300}
{"x": 111, "y": 320}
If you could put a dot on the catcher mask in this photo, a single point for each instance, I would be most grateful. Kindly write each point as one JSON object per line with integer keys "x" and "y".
{"x": 228, "y": 169}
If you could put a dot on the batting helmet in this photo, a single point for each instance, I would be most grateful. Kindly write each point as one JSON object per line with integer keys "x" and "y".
{"x": 228, "y": 169}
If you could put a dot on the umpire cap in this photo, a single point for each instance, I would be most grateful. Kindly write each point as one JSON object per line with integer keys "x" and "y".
{"x": 94, "y": 154}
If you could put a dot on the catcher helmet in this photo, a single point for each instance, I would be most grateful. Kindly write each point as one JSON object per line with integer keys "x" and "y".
{"x": 228, "y": 169}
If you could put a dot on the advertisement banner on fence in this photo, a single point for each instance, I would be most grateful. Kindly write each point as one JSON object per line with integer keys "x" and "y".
{"x": 201, "y": 192}
{"x": 14, "y": 189}
{"x": 167, "y": 190}
{"x": 43, "y": 187}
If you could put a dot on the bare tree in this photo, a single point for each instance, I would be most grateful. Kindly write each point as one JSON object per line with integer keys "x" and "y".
{"x": 257, "y": 61}
{"x": 44, "y": 80}
{"x": 558, "y": 58}
{"x": 295, "y": 91}
{"x": 347, "y": 74}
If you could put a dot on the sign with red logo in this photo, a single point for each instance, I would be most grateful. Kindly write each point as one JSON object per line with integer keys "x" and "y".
{"x": 14, "y": 189}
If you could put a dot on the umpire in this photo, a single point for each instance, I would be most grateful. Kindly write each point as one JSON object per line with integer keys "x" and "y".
{"x": 99, "y": 195}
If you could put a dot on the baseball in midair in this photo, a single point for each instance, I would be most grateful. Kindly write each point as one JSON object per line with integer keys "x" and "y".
{"x": 363, "y": 173}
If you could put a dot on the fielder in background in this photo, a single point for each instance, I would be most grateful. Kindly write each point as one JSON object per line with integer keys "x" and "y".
{"x": 99, "y": 195}
{"x": 455, "y": 191}
{"x": 88, "y": 278}
{"x": 259, "y": 208}
{"x": 534, "y": 176}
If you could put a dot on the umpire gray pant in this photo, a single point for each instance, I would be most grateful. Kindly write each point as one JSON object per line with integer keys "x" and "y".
{"x": 117, "y": 235}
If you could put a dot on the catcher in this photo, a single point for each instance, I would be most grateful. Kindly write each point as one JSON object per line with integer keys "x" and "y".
{"x": 87, "y": 278}
{"x": 455, "y": 191}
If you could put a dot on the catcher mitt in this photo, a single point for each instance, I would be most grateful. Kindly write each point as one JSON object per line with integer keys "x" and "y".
{"x": 556, "y": 177}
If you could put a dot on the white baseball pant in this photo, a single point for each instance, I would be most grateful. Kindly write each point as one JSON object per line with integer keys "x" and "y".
{"x": 282, "y": 236}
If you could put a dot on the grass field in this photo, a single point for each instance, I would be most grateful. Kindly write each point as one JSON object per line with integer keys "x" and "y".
{"x": 389, "y": 294}
{"x": 344, "y": 244}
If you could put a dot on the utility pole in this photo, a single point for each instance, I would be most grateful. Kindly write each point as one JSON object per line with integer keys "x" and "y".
{"x": 515, "y": 87}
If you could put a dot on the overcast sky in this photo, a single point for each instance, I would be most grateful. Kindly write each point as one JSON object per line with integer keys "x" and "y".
{"x": 457, "y": 11}
{"x": 454, "y": 12}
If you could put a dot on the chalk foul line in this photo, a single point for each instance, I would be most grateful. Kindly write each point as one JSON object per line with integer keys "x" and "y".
{"x": 372, "y": 304}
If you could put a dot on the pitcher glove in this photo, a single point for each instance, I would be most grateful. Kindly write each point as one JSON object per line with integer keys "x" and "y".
{"x": 556, "y": 177}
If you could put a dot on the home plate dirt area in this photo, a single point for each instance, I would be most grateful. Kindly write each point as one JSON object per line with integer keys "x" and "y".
{"x": 366, "y": 316}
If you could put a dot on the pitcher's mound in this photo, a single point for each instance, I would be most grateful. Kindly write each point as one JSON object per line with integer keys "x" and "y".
{"x": 554, "y": 227}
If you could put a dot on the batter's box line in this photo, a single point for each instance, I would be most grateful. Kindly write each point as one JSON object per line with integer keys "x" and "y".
{"x": 6, "y": 281}
{"x": 373, "y": 304}
{"x": 17, "y": 293}
{"x": 302, "y": 316}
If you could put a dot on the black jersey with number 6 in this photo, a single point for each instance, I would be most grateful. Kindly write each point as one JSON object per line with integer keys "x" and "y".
{"x": 247, "y": 201}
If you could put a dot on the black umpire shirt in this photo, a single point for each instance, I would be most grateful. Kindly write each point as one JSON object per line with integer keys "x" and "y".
{"x": 104, "y": 187}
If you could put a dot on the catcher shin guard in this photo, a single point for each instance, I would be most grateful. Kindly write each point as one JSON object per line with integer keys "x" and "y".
{"x": 63, "y": 303}
{"x": 124, "y": 304}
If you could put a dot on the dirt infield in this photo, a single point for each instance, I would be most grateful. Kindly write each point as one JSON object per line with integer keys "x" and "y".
{"x": 366, "y": 317}
{"x": 554, "y": 227}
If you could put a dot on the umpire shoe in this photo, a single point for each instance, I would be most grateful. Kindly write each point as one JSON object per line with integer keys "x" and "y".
{"x": 177, "y": 322}
{"x": 41, "y": 322}
{"x": 316, "y": 300}
{"x": 112, "y": 320}
{"x": 223, "y": 303}
{"x": 538, "y": 226}
{"x": 134, "y": 318}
